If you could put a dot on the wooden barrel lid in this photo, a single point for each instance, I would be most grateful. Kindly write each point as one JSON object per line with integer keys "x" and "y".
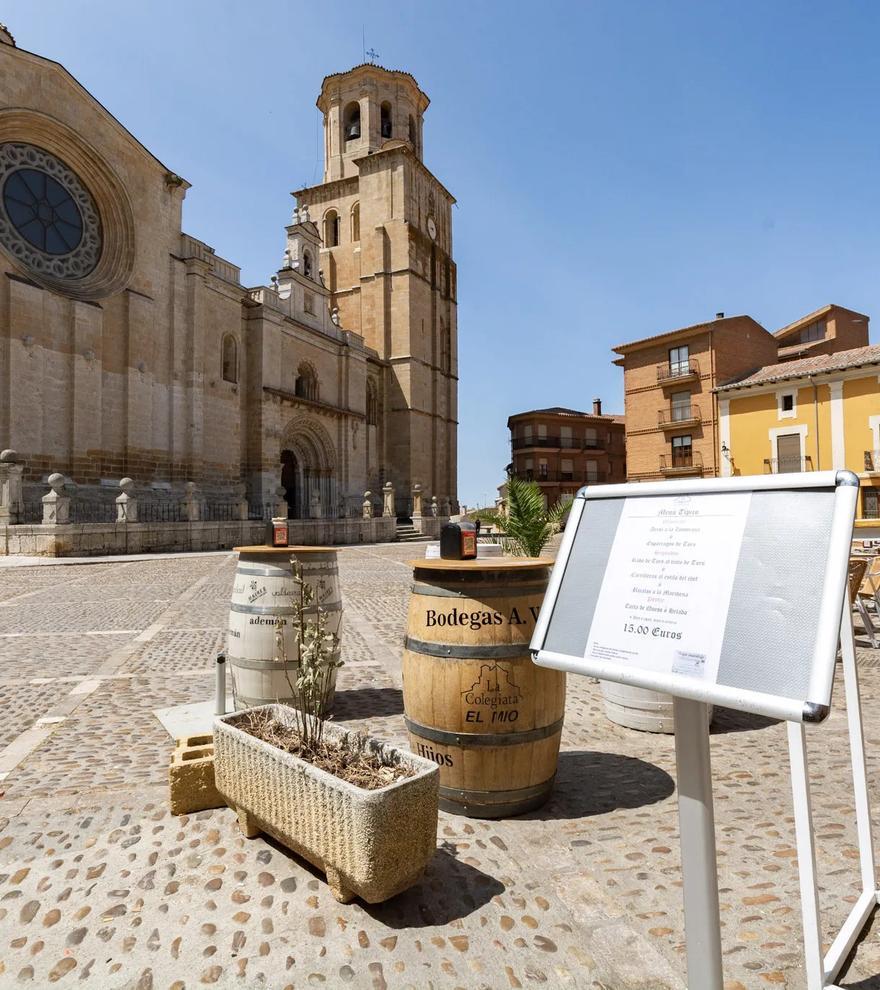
{"x": 284, "y": 550}
{"x": 483, "y": 564}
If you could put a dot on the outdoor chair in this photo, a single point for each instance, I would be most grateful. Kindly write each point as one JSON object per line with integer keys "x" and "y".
{"x": 858, "y": 566}
{"x": 869, "y": 589}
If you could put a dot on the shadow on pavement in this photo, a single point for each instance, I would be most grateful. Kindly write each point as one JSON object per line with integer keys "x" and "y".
{"x": 367, "y": 703}
{"x": 590, "y": 783}
{"x": 450, "y": 889}
{"x": 728, "y": 720}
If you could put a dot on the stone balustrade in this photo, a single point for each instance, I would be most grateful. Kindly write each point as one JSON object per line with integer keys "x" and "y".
{"x": 82, "y": 522}
{"x": 11, "y": 499}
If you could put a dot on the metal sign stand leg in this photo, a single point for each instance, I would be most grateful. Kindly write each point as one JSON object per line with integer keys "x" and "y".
{"x": 697, "y": 827}
{"x": 821, "y": 973}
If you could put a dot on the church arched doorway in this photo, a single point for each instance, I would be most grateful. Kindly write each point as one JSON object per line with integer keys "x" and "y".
{"x": 308, "y": 470}
{"x": 290, "y": 482}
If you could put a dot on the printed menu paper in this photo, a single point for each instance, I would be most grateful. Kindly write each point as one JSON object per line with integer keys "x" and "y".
{"x": 666, "y": 591}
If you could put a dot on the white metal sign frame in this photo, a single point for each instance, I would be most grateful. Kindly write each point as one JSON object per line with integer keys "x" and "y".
{"x": 691, "y": 700}
{"x": 815, "y": 706}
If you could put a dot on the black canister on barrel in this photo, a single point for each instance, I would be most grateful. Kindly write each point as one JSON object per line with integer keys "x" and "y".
{"x": 458, "y": 541}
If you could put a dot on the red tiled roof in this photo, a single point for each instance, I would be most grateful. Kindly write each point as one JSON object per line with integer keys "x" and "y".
{"x": 819, "y": 364}
{"x": 633, "y": 344}
{"x": 563, "y": 411}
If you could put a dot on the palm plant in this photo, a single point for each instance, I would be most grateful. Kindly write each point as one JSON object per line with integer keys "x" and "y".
{"x": 528, "y": 524}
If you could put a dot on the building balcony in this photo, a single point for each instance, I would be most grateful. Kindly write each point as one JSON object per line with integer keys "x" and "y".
{"x": 787, "y": 465}
{"x": 677, "y": 371}
{"x": 564, "y": 477}
{"x": 676, "y": 417}
{"x": 681, "y": 463}
{"x": 556, "y": 443}
{"x": 872, "y": 460}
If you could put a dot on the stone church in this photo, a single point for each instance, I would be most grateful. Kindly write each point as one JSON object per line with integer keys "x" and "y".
{"x": 129, "y": 348}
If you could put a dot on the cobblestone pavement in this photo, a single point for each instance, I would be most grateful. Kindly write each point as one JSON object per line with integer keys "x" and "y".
{"x": 101, "y": 886}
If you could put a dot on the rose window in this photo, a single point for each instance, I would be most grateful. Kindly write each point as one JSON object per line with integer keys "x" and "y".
{"x": 48, "y": 220}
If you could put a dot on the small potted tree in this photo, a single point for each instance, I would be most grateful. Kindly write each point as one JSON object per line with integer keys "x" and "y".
{"x": 362, "y": 811}
{"x": 528, "y": 524}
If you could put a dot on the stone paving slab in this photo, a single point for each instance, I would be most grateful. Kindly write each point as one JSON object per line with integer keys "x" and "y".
{"x": 25, "y": 657}
{"x": 99, "y": 885}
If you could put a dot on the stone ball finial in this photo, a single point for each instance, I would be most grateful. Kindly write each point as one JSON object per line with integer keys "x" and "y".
{"x": 56, "y": 482}
{"x": 8, "y": 456}
{"x": 126, "y": 484}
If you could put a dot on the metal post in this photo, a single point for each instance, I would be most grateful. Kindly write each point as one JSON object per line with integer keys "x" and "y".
{"x": 697, "y": 829}
{"x": 220, "y": 703}
{"x": 806, "y": 856}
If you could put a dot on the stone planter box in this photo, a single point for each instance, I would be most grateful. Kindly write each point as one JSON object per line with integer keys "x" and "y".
{"x": 370, "y": 844}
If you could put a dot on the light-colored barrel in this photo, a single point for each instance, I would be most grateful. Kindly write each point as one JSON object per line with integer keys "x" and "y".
{"x": 474, "y": 701}
{"x": 264, "y": 592}
{"x": 639, "y": 708}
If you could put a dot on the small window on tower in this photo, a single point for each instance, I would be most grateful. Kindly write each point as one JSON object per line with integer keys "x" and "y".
{"x": 385, "y": 114}
{"x": 412, "y": 131}
{"x": 787, "y": 403}
{"x": 230, "y": 359}
{"x": 307, "y": 264}
{"x": 331, "y": 229}
{"x": 352, "y": 126}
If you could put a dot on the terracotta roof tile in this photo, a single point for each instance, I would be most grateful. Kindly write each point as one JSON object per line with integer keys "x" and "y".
{"x": 819, "y": 364}
{"x": 694, "y": 327}
{"x": 563, "y": 411}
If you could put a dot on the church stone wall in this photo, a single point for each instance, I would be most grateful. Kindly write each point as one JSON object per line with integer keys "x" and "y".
{"x": 120, "y": 372}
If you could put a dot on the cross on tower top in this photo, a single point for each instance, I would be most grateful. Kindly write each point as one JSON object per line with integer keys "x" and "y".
{"x": 372, "y": 55}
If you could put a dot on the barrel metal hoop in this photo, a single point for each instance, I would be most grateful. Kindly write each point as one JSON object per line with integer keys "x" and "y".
{"x": 282, "y": 570}
{"x": 273, "y": 570}
{"x": 266, "y": 666}
{"x": 472, "y": 739}
{"x": 494, "y": 804}
{"x": 440, "y": 591}
{"x": 524, "y": 793}
{"x": 243, "y": 702}
{"x": 458, "y": 651}
{"x": 283, "y": 609}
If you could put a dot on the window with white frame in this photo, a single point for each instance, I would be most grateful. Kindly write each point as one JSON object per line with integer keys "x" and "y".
{"x": 787, "y": 404}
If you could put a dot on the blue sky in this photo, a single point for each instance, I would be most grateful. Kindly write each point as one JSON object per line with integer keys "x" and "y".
{"x": 621, "y": 168}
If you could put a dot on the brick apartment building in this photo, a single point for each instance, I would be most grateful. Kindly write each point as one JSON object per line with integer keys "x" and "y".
{"x": 672, "y": 420}
{"x": 563, "y": 449}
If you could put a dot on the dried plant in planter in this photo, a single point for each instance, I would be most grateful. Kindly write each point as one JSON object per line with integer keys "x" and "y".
{"x": 317, "y": 657}
{"x": 311, "y": 688}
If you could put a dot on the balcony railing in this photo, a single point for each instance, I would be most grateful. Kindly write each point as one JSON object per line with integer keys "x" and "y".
{"x": 787, "y": 465}
{"x": 872, "y": 460}
{"x": 562, "y": 443}
{"x": 684, "y": 462}
{"x": 566, "y": 477}
{"x": 677, "y": 370}
{"x": 676, "y": 416}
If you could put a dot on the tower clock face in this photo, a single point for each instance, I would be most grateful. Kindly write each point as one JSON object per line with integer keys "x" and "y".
{"x": 432, "y": 228}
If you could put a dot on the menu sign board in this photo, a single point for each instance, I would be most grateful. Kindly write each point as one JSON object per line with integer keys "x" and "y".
{"x": 664, "y": 599}
{"x": 721, "y": 590}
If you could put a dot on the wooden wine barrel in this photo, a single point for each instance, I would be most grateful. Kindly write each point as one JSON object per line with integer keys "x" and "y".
{"x": 474, "y": 701}
{"x": 263, "y": 592}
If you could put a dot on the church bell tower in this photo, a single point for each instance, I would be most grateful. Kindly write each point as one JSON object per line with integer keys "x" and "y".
{"x": 385, "y": 223}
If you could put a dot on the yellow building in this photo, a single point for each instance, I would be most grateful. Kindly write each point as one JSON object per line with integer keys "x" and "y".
{"x": 813, "y": 414}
